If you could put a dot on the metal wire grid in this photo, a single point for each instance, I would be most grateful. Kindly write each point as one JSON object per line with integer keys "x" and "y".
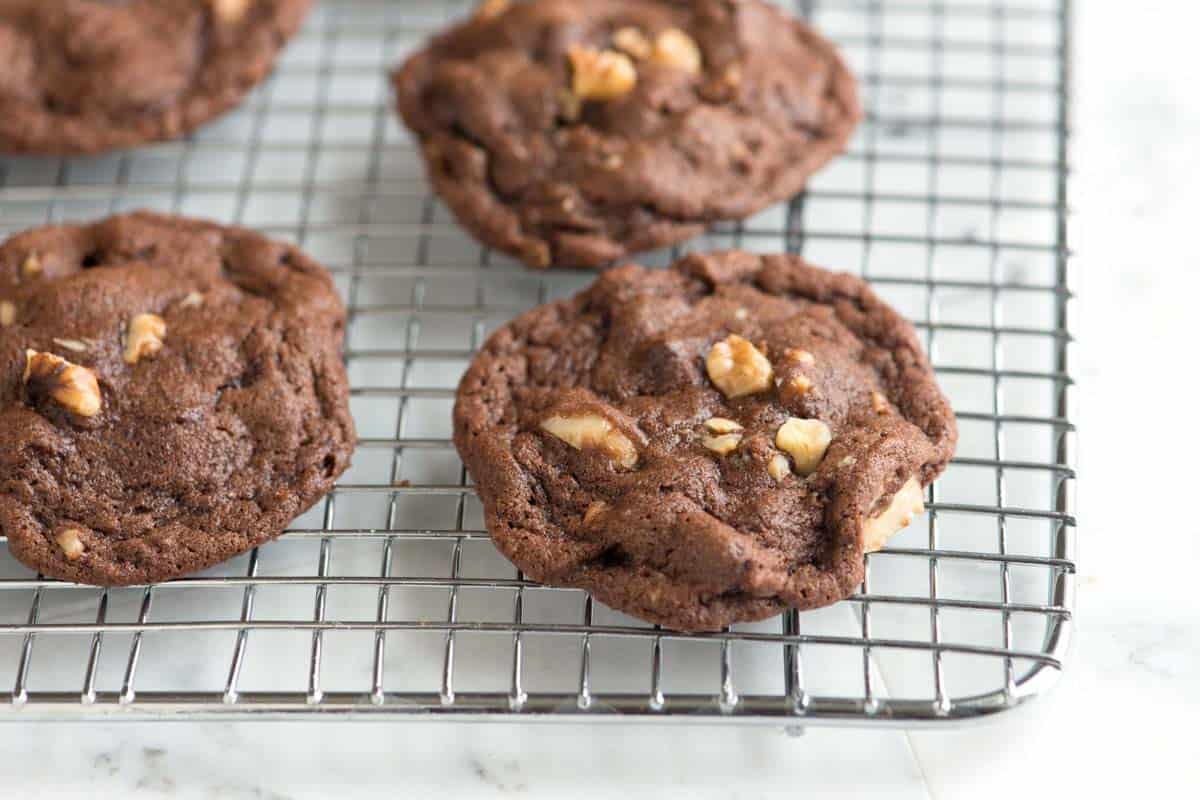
{"x": 388, "y": 599}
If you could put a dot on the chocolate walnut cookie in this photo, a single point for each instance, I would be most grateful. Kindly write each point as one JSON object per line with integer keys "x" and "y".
{"x": 171, "y": 394}
{"x": 705, "y": 445}
{"x": 85, "y": 76}
{"x": 573, "y": 133}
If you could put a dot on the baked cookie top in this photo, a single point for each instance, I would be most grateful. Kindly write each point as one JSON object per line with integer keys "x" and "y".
{"x": 85, "y": 76}
{"x": 573, "y": 133}
{"x": 707, "y": 444}
{"x": 171, "y": 394}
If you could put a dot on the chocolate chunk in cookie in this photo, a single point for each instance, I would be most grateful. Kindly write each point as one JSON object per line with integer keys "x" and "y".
{"x": 86, "y": 76}
{"x": 171, "y": 394}
{"x": 704, "y": 445}
{"x": 573, "y": 133}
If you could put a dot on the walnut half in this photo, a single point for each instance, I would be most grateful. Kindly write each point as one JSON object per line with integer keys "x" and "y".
{"x": 592, "y": 432}
{"x": 69, "y": 385}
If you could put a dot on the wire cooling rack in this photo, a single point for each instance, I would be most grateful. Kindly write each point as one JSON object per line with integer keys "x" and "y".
{"x": 388, "y": 599}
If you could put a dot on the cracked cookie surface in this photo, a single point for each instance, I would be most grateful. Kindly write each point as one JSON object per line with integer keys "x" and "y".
{"x": 573, "y": 133}
{"x": 707, "y": 444}
{"x": 87, "y": 76}
{"x": 172, "y": 394}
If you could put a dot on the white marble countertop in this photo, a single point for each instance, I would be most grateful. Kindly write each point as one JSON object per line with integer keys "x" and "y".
{"x": 1117, "y": 721}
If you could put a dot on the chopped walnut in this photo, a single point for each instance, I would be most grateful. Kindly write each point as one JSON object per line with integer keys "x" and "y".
{"x": 906, "y": 504}
{"x": 71, "y": 541}
{"x": 592, "y": 432}
{"x": 69, "y": 385}
{"x": 722, "y": 425}
{"x": 675, "y": 49}
{"x": 778, "y": 467}
{"x": 723, "y": 445}
{"x": 192, "y": 300}
{"x": 880, "y": 404}
{"x": 230, "y": 12}
{"x": 145, "y": 338}
{"x": 8, "y": 313}
{"x": 490, "y": 9}
{"x": 800, "y": 356}
{"x": 633, "y": 42}
{"x": 594, "y": 510}
{"x": 806, "y": 441}
{"x": 31, "y": 267}
{"x": 601, "y": 75}
{"x": 800, "y": 384}
{"x": 738, "y": 368}
{"x": 74, "y": 345}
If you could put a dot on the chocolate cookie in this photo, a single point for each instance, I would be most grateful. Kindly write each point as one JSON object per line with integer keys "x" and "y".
{"x": 85, "y": 76}
{"x": 704, "y": 445}
{"x": 573, "y": 133}
{"x": 171, "y": 394}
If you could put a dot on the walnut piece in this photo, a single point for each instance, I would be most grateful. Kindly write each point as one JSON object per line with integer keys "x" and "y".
{"x": 722, "y": 425}
{"x": 723, "y": 445}
{"x": 800, "y": 356}
{"x": 592, "y": 432}
{"x": 906, "y": 504}
{"x": 600, "y": 74}
{"x": 675, "y": 49}
{"x": 738, "y": 368}
{"x": 71, "y": 386}
{"x": 778, "y": 467}
{"x": 490, "y": 9}
{"x": 192, "y": 300}
{"x": 74, "y": 345}
{"x": 806, "y": 441}
{"x": 594, "y": 510}
{"x": 230, "y": 12}
{"x": 8, "y": 313}
{"x": 31, "y": 267}
{"x": 880, "y": 404}
{"x": 800, "y": 385}
{"x": 145, "y": 338}
{"x": 69, "y": 539}
{"x": 632, "y": 42}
